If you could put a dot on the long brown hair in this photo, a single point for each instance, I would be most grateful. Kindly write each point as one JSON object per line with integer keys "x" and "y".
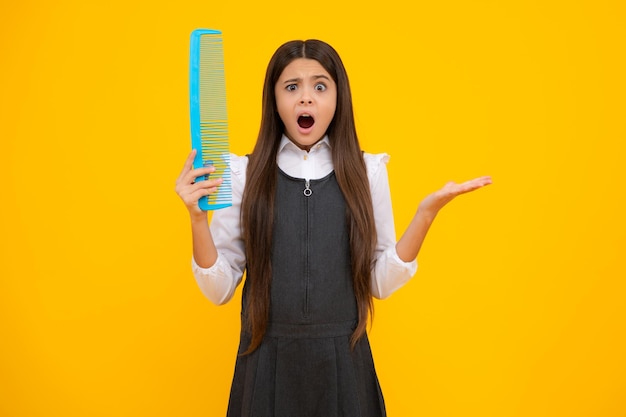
{"x": 258, "y": 198}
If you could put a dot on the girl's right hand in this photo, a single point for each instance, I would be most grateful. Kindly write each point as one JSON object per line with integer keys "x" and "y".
{"x": 190, "y": 190}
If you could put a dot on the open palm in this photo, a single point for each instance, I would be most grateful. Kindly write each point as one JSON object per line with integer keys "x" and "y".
{"x": 437, "y": 200}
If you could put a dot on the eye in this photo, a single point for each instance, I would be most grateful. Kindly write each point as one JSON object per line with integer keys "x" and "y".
{"x": 320, "y": 87}
{"x": 291, "y": 87}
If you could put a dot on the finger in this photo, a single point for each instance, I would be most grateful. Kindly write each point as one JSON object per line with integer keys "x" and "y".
{"x": 200, "y": 174}
{"x": 480, "y": 182}
{"x": 194, "y": 175}
{"x": 474, "y": 184}
{"x": 192, "y": 186}
{"x": 210, "y": 183}
{"x": 485, "y": 180}
{"x": 189, "y": 174}
{"x": 199, "y": 190}
{"x": 188, "y": 163}
{"x": 187, "y": 182}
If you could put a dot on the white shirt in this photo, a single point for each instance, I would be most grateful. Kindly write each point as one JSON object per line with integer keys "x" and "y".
{"x": 389, "y": 272}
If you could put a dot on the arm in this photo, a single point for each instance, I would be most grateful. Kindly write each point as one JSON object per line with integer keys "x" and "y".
{"x": 395, "y": 262}
{"x": 190, "y": 191}
{"x": 389, "y": 272}
{"x": 218, "y": 251}
{"x": 411, "y": 241}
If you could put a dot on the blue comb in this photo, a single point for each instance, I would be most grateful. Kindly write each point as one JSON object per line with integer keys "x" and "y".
{"x": 209, "y": 124}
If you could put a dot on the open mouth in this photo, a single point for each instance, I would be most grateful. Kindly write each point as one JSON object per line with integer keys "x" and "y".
{"x": 305, "y": 121}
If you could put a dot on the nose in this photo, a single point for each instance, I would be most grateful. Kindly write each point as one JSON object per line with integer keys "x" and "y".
{"x": 306, "y": 97}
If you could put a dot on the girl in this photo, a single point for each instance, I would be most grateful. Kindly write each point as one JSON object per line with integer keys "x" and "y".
{"x": 312, "y": 225}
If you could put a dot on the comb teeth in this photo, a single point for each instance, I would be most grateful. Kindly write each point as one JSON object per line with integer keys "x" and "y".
{"x": 209, "y": 125}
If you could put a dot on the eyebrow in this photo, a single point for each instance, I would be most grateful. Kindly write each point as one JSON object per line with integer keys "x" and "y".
{"x": 315, "y": 77}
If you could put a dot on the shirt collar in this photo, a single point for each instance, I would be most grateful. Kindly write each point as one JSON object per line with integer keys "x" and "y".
{"x": 285, "y": 143}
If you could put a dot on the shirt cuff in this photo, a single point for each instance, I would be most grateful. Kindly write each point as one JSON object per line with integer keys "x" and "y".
{"x": 411, "y": 266}
{"x": 215, "y": 282}
{"x": 391, "y": 273}
{"x": 205, "y": 271}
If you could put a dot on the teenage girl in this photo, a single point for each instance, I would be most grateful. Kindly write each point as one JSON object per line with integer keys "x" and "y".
{"x": 312, "y": 225}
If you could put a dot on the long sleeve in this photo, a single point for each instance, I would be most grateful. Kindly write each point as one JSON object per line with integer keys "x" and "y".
{"x": 389, "y": 272}
{"x": 218, "y": 282}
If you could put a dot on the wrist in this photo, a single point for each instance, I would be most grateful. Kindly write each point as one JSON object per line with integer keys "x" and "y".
{"x": 198, "y": 218}
{"x": 426, "y": 214}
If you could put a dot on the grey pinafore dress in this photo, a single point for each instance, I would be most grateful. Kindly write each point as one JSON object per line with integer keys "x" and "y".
{"x": 304, "y": 366}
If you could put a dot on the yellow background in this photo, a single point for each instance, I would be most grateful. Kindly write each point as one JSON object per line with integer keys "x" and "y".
{"x": 518, "y": 308}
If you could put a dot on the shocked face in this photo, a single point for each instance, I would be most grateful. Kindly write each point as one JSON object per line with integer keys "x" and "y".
{"x": 306, "y": 98}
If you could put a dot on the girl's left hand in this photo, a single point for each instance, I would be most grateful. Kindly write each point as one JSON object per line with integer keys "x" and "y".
{"x": 411, "y": 241}
{"x": 437, "y": 200}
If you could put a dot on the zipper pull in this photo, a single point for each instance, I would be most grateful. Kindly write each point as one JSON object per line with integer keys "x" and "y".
{"x": 307, "y": 188}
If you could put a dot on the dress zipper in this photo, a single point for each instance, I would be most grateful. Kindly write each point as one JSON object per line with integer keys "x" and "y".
{"x": 307, "y": 193}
